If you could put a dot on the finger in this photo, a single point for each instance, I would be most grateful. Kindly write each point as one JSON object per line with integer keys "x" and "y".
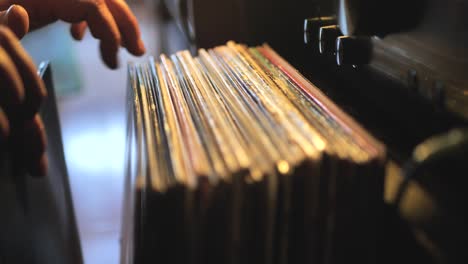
{"x": 128, "y": 26}
{"x": 28, "y": 141}
{"x": 78, "y": 30}
{"x": 103, "y": 27}
{"x": 17, "y": 19}
{"x": 101, "y": 24}
{"x": 39, "y": 167}
{"x": 12, "y": 89}
{"x": 33, "y": 137}
{"x": 109, "y": 54}
{"x": 4, "y": 127}
{"x": 34, "y": 146}
{"x": 34, "y": 88}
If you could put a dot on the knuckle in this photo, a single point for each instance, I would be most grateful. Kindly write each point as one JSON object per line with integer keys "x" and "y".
{"x": 95, "y": 5}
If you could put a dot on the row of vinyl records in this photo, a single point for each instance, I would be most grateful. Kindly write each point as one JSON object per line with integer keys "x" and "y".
{"x": 234, "y": 157}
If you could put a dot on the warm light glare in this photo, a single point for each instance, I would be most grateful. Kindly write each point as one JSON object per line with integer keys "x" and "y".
{"x": 97, "y": 149}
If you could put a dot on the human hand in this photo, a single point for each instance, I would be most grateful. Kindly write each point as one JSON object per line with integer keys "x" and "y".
{"x": 110, "y": 21}
{"x": 21, "y": 93}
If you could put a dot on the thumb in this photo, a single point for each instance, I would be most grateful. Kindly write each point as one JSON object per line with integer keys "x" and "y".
{"x": 16, "y": 18}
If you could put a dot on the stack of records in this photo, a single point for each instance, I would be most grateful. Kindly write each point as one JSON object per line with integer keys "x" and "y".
{"x": 234, "y": 157}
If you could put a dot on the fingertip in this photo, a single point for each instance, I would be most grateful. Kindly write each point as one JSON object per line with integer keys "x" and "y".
{"x": 18, "y": 20}
{"x": 43, "y": 166}
{"x": 128, "y": 26}
{"x": 109, "y": 55}
{"x": 40, "y": 167}
{"x": 41, "y": 92}
{"x": 33, "y": 137}
{"x": 141, "y": 49}
{"x": 34, "y": 100}
{"x": 111, "y": 62}
{"x": 78, "y": 30}
{"x": 4, "y": 126}
{"x": 75, "y": 33}
{"x": 41, "y": 132}
{"x": 136, "y": 47}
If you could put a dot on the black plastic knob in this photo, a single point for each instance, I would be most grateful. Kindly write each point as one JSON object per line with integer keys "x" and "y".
{"x": 313, "y": 25}
{"x": 353, "y": 50}
{"x": 327, "y": 39}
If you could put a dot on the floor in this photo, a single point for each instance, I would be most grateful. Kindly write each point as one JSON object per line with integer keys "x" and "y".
{"x": 92, "y": 116}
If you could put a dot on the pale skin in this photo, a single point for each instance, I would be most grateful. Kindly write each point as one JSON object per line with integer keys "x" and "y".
{"x": 22, "y": 132}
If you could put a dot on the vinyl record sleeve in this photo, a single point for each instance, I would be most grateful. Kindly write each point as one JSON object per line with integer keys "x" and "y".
{"x": 239, "y": 159}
